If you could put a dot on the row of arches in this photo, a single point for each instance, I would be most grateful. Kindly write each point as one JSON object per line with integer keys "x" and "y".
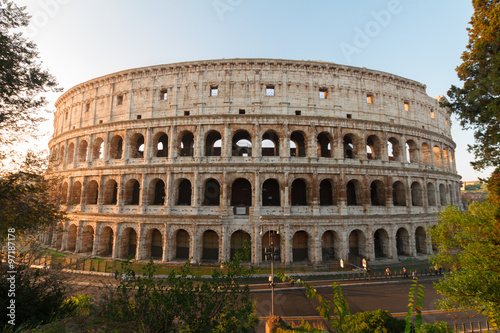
{"x": 303, "y": 247}
{"x": 242, "y": 144}
{"x": 272, "y": 193}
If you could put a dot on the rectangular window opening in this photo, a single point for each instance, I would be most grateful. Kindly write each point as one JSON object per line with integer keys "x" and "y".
{"x": 87, "y": 107}
{"x": 163, "y": 95}
{"x": 323, "y": 94}
{"x": 186, "y": 113}
{"x": 242, "y": 111}
{"x": 269, "y": 90}
{"x": 119, "y": 100}
{"x": 407, "y": 106}
{"x": 100, "y": 121}
{"x": 139, "y": 116}
{"x": 349, "y": 116}
{"x": 432, "y": 114}
{"x": 298, "y": 112}
{"x": 214, "y": 91}
{"x": 369, "y": 99}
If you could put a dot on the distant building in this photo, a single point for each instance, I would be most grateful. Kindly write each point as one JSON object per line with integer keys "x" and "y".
{"x": 195, "y": 159}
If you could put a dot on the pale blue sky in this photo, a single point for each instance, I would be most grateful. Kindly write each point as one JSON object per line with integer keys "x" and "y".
{"x": 420, "y": 40}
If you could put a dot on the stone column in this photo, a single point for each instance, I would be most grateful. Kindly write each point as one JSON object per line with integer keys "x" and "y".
{"x": 97, "y": 240}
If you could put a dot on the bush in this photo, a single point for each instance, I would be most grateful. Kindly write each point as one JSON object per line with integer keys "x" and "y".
{"x": 375, "y": 321}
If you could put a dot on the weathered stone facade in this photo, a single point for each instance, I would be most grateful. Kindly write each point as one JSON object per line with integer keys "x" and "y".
{"x": 193, "y": 159}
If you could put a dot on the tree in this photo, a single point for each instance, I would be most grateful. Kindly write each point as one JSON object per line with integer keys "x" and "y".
{"x": 181, "y": 303}
{"x": 469, "y": 246}
{"x": 22, "y": 79}
{"x": 28, "y": 201}
{"x": 477, "y": 103}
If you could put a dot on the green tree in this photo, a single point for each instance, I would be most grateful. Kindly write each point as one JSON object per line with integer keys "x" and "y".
{"x": 181, "y": 303}
{"x": 477, "y": 103}
{"x": 469, "y": 246}
{"x": 22, "y": 79}
{"x": 28, "y": 201}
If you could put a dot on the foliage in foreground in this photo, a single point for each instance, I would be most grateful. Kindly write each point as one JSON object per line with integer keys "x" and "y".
{"x": 179, "y": 303}
{"x": 469, "y": 244}
{"x": 39, "y": 294}
{"x": 477, "y": 103}
{"x": 338, "y": 315}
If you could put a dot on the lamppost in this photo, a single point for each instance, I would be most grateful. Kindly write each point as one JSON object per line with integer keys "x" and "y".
{"x": 272, "y": 253}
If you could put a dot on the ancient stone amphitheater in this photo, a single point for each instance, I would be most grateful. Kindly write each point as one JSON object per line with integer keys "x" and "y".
{"x": 195, "y": 159}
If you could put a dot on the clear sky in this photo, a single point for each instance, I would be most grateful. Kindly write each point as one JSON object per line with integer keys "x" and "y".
{"x": 421, "y": 40}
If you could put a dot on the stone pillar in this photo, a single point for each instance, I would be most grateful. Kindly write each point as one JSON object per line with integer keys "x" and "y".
{"x": 116, "y": 242}
{"x": 79, "y": 236}
{"x": 97, "y": 240}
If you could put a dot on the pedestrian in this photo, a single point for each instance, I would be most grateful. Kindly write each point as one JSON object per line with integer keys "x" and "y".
{"x": 405, "y": 272}
{"x": 44, "y": 265}
{"x": 369, "y": 273}
{"x": 116, "y": 274}
{"x": 388, "y": 272}
{"x": 414, "y": 275}
{"x": 133, "y": 274}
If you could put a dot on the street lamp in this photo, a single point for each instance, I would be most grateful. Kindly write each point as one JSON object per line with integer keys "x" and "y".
{"x": 272, "y": 253}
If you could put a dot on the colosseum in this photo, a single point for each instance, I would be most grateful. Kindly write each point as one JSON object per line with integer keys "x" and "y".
{"x": 196, "y": 159}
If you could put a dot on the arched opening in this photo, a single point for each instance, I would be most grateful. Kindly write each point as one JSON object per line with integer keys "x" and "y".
{"x": 326, "y": 193}
{"x": 110, "y": 192}
{"x": 445, "y": 158}
{"x": 76, "y": 193}
{"x": 82, "y": 151}
{"x": 239, "y": 241}
{"x": 324, "y": 145}
{"x": 71, "y": 243}
{"x": 160, "y": 145}
{"x": 92, "y": 193}
{"x": 426, "y": 154}
{"x": 106, "y": 242}
{"x": 182, "y": 244}
{"x": 431, "y": 195}
{"x": 61, "y": 154}
{"x": 156, "y": 244}
{"x": 241, "y": 193}
{"x": 271, "y": 238}
{"x": 212, "y": 193}
{"x": 349, "y": 148}
{"x": 270, "y": 144}
{"x": 330, "y": 243}
{"x": 98, "y": 149}
{"x": 184, "y": 193}
{"x": 213, "y": 144}
{"x": 356, "y": 245}
{"x": 271, "y": 193}
{"x": 421, "y": 240}
{"x": 354, "y": 193}
{"x": 64, "y": 193}
{"x": 393, "y": 149}
{"x": 381, "y": 243}
{"x": 297, "y": 144}
{"x": 157, "y": 192}
{"x": 299, "y": 193}
{"x": 132, "y": 192}
{"x": 116, "y": 147}
{"x": 416, "y": 194}
{"x": 128, "y": 244}
{"x": 70, "y": 153}
{"x": 87, "y": 239}
{"x": 398, "y": 194}
{"x": 437, "y": 156}
{"x": 210, "y": 246}
{"x": 442, "y": 195}
{"x": 137, "y": 146}
{"x": 186, "y": 146}
{"x": 242, "y": 144}
{"x": 377, "y": 193}
{"x": 300, "y": 246}
{"x": 373, "y": 148}
{"x": 411, "y": 152}
{"x": 59, "y": 237}
{"x": 403, "y": 242}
